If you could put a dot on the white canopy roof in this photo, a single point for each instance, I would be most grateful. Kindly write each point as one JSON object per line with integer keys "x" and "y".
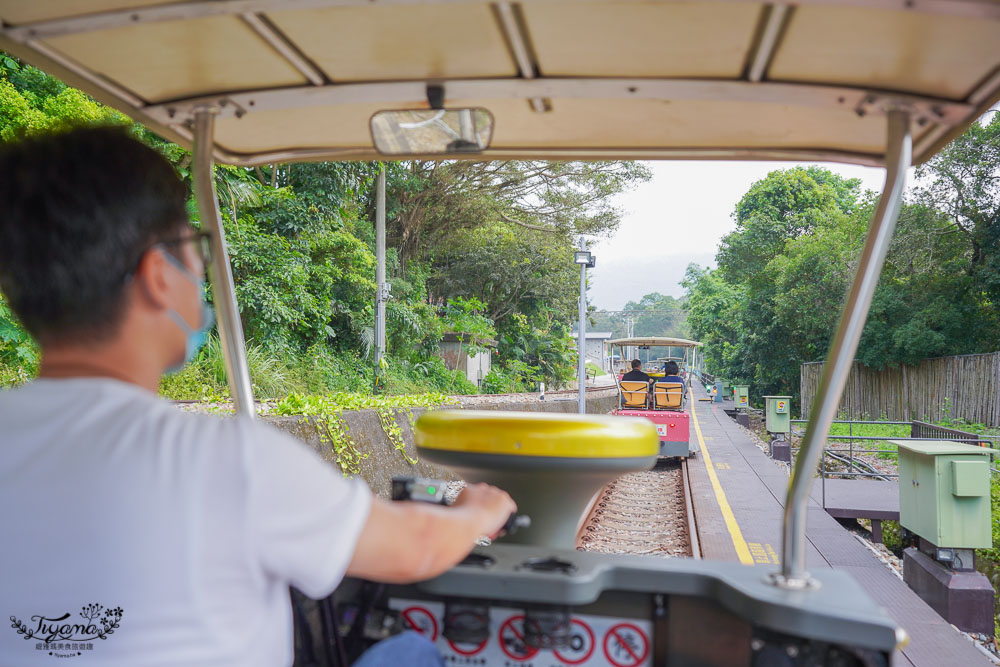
{"x": 655, "y": 341}
{"x": 564, "y": 79}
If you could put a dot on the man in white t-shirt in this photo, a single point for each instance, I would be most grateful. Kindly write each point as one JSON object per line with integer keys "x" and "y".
{"x": 132, "y": 533}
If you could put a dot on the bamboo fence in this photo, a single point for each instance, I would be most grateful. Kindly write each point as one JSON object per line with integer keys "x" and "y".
{"x": 966, "y": 386}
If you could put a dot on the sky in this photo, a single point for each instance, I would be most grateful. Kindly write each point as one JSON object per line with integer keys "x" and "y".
{"x": 677, "y": 218}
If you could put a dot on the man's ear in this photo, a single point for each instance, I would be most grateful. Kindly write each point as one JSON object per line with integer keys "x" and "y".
{"x": 154, "y": 279}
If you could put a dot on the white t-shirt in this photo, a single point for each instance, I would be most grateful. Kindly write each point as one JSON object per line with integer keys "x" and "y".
{"x": 186, "y": 529}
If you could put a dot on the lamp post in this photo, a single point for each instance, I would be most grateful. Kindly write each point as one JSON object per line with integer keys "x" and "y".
{"x": 585, "y": 259}
{"x": 382, "y": 287}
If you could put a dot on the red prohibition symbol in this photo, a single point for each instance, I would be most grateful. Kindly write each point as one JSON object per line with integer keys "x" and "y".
{"x": 581, "y": 647}
{"x": 462, "y": 649}
{"x": 422, "y": 621}
{"x": 514, "y": 634}
{"x": 626, "y": 645}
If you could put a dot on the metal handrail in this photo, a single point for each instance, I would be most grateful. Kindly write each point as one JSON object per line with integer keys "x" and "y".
{"x": 854, "y": 421}
{"x": 899, "y": 151}
{"x": 234, "y": 350}
{"x": 899, "y": 437}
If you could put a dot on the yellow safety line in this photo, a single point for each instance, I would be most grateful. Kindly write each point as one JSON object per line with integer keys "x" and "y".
{"x": 742, "y": 550}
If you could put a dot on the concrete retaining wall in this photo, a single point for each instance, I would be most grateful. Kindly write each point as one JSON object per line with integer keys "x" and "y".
{"x": 383, "y": 462}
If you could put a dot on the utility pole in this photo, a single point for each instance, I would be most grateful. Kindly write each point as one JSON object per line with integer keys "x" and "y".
{"x": 582, "y": 341}
{"x": 382, "y": 288}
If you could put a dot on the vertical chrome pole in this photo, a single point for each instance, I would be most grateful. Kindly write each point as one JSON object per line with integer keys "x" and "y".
{"x": 845, "y": 343}
{"x": 234, "y": 352}
{"x": 381, "y": 295}
{"x": 582, "y": 340}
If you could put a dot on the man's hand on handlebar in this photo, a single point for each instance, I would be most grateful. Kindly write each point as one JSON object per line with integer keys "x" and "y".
{"x": 495, "y": 504}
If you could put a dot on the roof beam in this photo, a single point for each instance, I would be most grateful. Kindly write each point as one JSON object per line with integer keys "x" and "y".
{"x": 280, "y": 43}
{"x": 977, "y": 9}
{"x": 980, "y": 100}
{"x": 519, "y": 46}
{"x": 530, "y": 153}
{"x": 414, "y": 94}
{"x": 777, "y": 16}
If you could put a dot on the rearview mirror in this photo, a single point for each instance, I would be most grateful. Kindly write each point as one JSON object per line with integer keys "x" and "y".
{"x": 431, "y": 131}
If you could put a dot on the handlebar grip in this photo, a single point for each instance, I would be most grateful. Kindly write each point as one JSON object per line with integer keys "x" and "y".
{"x": 419, "y": 489}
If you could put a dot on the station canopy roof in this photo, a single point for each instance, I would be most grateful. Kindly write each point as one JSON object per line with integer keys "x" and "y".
{"x": 655, "y": 341}
{"x": 563, "y": 79}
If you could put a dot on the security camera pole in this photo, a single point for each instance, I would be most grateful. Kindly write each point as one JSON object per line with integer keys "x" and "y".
{"x": 584, "y": 259}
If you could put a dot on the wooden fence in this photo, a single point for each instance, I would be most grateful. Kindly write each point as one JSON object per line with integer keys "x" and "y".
{"x": 969, "y": 385}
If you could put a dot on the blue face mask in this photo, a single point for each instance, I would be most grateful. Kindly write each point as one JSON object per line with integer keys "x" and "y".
{"x": 195, "y": 337}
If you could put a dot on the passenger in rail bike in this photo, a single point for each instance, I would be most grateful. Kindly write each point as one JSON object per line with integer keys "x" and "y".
{"x": 671, "y": 373}
{"x": 636, "y": 374}
{"x": 187, "y": 529}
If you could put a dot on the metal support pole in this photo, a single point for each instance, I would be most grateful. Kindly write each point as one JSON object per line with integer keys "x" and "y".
{"x": 234, "y": 353}
{"x": 841, "y": 356}
{"x": 582, "y": 340}
{"x": 382, "y": 293}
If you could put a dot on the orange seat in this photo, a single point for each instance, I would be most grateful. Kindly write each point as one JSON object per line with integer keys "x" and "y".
{"x": 635, "y": 394}
{"x": 668, "y": 395}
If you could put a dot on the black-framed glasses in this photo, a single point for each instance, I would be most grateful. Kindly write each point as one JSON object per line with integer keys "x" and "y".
{"x": 203, "y": 245}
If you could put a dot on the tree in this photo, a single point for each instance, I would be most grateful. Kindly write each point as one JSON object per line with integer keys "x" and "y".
{"x": 437, "y": 199}
{"x": 658, "y": 315}
{"x": 782, "y": 206}
{"x": 507, "y": 268}
{"x": 963, "y": 181}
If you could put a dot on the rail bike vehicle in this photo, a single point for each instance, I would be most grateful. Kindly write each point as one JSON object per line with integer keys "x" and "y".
{"x": 665, "y": 403}
{"x": 885, "y": 83}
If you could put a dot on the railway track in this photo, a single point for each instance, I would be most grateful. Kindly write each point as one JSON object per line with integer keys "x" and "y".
{"x": 643, "y": 513}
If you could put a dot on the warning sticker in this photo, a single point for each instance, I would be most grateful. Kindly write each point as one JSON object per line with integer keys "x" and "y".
{"x": 511, "y": 638}
{"x": 462, "y": 648}
{"x": 421, "y": 620}
{"x": 661, "y": 429}
{"x": 581, "y": 644}
{"x": 626, "y": 645}
{"x": 624, "y": 642}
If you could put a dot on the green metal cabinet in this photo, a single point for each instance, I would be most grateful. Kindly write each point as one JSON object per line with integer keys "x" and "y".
{"x": 778, "y": 414}
{"x": 944, "y": 492}
{"x": 741, "y": 395}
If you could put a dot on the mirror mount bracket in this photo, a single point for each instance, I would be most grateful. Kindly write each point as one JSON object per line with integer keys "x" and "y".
{"x": 435, "y": 96}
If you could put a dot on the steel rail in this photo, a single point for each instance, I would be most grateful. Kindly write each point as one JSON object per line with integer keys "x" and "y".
{"x": 223, "y": 289}
{"x": 899, "y": 148}
{"x": 692, "y": 525}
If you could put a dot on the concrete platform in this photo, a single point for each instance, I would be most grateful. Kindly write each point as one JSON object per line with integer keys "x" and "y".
{"x": 743, "y": 524}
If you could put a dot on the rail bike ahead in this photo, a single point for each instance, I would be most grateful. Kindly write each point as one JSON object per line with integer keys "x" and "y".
{"x": 885, "y": 83}
{"x": 662, "y": 399}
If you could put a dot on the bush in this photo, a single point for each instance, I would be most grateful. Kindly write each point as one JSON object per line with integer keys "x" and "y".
{"x": 430, "y": 375}
{"x": 13, "y": 375}
{"x": 512, "y": 378}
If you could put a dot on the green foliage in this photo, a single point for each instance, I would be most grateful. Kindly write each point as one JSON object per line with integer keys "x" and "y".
{"x": 513, "y": 378}
{"x": 405, "y": 378}
{"x": 325, "y": 411}
{"x": 387, "y": 419}
{"x": 542, "y": 343}
{"x": 32, "y": 102}
{"x": 17, "y": 348}
{"x": 475, "y": 248}
{"x": 783, "y": 274}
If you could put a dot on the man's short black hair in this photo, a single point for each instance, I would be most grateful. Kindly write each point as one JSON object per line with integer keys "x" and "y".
{"x": 636, "y": 363}
{"x": 671, "y": 368}
{"x": 79, "y": 210}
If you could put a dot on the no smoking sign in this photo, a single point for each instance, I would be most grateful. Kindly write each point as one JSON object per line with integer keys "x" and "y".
{"x": 626, "y": 645}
